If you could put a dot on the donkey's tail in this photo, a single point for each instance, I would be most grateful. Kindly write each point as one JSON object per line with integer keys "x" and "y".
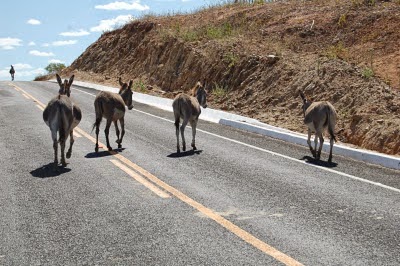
{"x": 330, "y": 123}
{"x": 176, "y": 105}
{"x": 61, "y": 124}
{"x": 98, "y": 107}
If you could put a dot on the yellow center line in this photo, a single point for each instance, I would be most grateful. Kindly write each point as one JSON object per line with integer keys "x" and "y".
{"x": 40, "y": 107}
{"x": 141, "y": 180}
{"x": 244, "y": 235}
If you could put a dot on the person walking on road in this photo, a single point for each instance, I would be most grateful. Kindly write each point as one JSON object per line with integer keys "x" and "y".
{"x": 12, "y": 72}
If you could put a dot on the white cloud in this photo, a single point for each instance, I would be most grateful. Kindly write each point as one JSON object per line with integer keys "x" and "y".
{"x": 79, "y": 33}
{"x": 22, "y": 66}
{"x": 31, "y": 43}
{"x": 56, "y": 61}
{"x": 37, "y": 53}
{"x": 110, "y": 24}
{"x": 63, "y": 43}
{"x": 134, "y": 5}
{"x": 9, "y": 43}
{"x": 33, "y": 21}
{"x": 46, "y": 44}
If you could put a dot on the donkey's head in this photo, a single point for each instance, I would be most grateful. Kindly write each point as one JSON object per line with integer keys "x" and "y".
{"x": 126, "y": 92}
{"x": 306, "y": 102}
{"x": 201, "y": 94}
{"x": 65, "y": 88}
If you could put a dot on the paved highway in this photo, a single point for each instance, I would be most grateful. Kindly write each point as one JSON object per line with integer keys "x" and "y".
{"x": 241, "y": 199}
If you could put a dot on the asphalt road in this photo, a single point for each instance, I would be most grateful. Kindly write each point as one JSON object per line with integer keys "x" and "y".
{"x": 241, "y": 199}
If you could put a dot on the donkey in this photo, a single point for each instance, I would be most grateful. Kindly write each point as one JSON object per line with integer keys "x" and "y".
{"x": 319, "y": 116}
{"x": 62, "y": 116}
{"x": 187, "y": 107}
{"x": 111, "y": 106}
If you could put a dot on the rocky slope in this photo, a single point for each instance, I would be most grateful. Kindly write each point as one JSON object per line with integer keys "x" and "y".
{"x": 254, "y": 59}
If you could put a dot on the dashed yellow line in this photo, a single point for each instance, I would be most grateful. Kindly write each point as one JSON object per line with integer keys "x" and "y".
{"x": 244, "y": 235}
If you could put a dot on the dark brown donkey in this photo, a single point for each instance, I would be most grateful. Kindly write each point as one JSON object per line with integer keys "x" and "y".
{"x": 62, "y": 116}
{"x": 111, "y": 106}
{"x": 319, "y": 116}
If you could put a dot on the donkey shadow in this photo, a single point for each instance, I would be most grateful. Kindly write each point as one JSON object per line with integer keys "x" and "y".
{"x": 48, "y": 170}
{"x": 185, "y": 153}
{"x": 312, "y": 160}
{"x": 100, "y": 154}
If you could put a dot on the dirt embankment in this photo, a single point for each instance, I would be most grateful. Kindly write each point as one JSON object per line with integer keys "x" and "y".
{"x": 255, "y": 58}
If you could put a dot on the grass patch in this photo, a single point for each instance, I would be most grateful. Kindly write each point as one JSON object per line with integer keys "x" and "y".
{"x": 230, "y": 59}
{"x": 367, "y": 73}
{"x": 139, "y": 86}
{"x": 219, "y": 91}
{"x": 336, "y": 51}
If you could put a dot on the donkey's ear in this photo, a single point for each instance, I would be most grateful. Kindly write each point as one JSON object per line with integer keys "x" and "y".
{"x": 120, "y": 81}
{"x": 130, "y": 84}
{"x": 59, "y": 79}
{"x": 303, "y": 97}
{"x": 71, "y": 79}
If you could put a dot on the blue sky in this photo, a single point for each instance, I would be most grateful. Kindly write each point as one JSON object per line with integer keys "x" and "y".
{"x": 35, "y": 33}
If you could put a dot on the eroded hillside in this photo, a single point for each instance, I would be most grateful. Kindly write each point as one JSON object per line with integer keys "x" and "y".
{"x": 254, "y": 59}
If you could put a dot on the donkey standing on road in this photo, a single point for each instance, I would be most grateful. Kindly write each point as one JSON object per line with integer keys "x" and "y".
{"x": 318, "y": 116}
{"x": 111, "y": 106}
{"x": 188, "y": 108}
{"x": 62, "y": 116}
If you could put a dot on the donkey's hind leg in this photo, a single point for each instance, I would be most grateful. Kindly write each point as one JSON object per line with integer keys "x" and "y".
{"x": 119, "y": 140}
{"x": 321, "y": 143}
{"x": 178, "y": 149}
{"x": 309, "y": 143}
{"x": 193, "y": 124}
{"x": 55, "y": 147}
{"x": 330, "y": 151}
{"x": 106, "y": 132}
{"x": 62, "y": 144}
{"x": 71, "y": 142}
{"x": 184, "y": 123}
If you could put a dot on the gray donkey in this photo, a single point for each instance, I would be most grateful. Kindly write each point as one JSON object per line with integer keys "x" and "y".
{"x": 319, "y": 116}
{"x": 188, "y": 108}
{"x": 62, "y": 116}
{"x": 111, "y": 106}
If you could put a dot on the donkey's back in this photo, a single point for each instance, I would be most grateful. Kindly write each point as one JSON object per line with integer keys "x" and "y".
{"x": 62, "y": 116}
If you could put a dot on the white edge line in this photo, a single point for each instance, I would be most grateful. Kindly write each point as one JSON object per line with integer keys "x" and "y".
{"x": 274, "y": 153}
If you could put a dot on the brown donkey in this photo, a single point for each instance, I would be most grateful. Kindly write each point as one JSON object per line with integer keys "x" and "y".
{"x": 319, "y": 116}
{"x": 62, "y": 116}
{"x": 111, "y": 106}
{"x": 188, "y": 108}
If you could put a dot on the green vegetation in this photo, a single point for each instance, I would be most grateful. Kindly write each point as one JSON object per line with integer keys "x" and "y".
{"x": 336, "y": 51}
{"x": 342, "y": 21}
{"x": 367, "y": 73}
{"x": 231, "y": 59}
{"x": 53, "y": 68}
{"x": 219, "y": 91}
{"x": 139, "y": 86}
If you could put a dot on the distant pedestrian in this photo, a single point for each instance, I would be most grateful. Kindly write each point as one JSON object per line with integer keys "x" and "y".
{"x": 12, "y": 72}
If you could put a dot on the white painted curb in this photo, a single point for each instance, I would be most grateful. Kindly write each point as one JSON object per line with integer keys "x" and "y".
{"x": 255, "y": 126}
{"x": 339, "y": 149}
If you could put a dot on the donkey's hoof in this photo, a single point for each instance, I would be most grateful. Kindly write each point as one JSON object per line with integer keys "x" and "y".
{"x": 194, "y": 147}
{"x": 119, "y": 145}
{"x": 184, "y": 148}
{"x": 178, "y": 150}
{"x": 64, "y": 164}
{"x": 96, "y": 149}
{"x": 68, "y": 155}
{"x": 109, "y": 148}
